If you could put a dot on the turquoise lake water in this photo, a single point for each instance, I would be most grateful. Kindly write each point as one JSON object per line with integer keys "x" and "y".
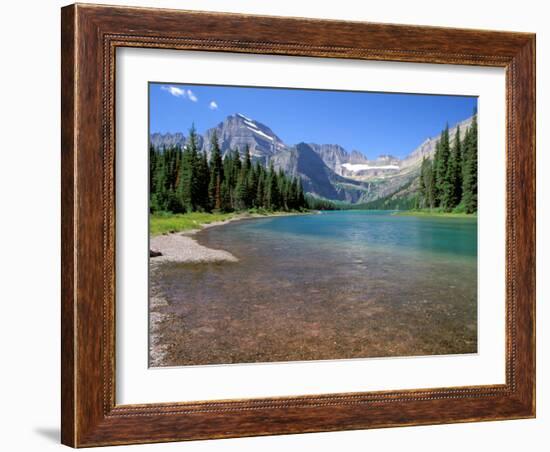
{"x": 337, "y": 285}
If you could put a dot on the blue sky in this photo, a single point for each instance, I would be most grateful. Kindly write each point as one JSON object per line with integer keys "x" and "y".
{"x": 373, "y": 123}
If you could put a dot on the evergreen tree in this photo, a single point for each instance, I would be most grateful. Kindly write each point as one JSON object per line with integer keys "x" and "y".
{"x": 260, "y": 192}
{"x": 187, "y": 181}
{"x": 244, "y": 196}
{"x": 237, "y": 166}
{"x": 241, "y": 191}
{"x": 301, "y": 196}
{"x": 469, "y": 173}
{"x": 159, "y": 198}
{"x": 247, "y": 191}
{"x": 231, "y": 167}
{"x": 247, "y": 164}
{"x": 225, "y": 197}
{"x": 435, "y": 164}
{"x": 152, "y": 168}
{"x": 452, "y": 192}
{"x": 228, "y": 183}
{"x": 153, "y": 171}
{"x": 167, "y": 198}
{"x": 216, "y": 174}
{"x": 440, "y": 167}
{"x": 253, "y": 186}
{"x": 422, "y": 192}
{"x": 188, "y": 185}
{"x": 282, "y": 189}
{"x": 426, "y": 192}
{"x": 450, "y": 179}
{"x": 272, "y": 194}
{"x": 203, "y": 180}
{"x": 429, "y": 182}
{"x": 293, "y": 197}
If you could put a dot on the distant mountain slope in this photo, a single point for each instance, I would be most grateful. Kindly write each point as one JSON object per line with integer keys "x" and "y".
{"x": 427, "y": 148}
{"x": 239, "y": 131}
{"x": 316, "y": 176}
{"x": 158, "y": 140}
{"x": 327, "y": 170}
{"x": 337, "y": 158}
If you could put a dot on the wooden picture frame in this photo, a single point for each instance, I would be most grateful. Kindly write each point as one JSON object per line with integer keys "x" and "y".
{"x": 90, "y": 36}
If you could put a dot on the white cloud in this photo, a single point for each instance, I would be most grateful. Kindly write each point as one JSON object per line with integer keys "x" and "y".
{"x": 192, "y": 96}
{"x": 178, "y": 92}
{"x": 174, "y": 91}
{"x": 213, "y": 105}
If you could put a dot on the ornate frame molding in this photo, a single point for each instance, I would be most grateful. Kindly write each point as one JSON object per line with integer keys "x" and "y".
{"x": 90, "y": 37}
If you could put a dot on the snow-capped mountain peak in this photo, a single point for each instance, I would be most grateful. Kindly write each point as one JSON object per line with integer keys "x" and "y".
{"x": 246, "y": 118}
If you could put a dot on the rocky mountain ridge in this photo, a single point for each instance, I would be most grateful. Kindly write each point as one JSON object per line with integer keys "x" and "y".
{"x": 327, "y": 170}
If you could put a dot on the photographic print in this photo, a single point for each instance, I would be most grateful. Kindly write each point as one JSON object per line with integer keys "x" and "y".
{"x": 277, "y": 233}
{"x": 299, "y": 224}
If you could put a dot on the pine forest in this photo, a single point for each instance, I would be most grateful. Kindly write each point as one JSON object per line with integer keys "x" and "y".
{"x": 449, "y": 180}
{"x": 186, "y": 180}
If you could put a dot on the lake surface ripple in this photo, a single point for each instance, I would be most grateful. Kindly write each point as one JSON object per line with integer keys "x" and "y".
{"x": 338, "y": 285}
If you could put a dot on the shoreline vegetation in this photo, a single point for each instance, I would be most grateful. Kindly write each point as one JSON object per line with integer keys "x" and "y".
{"x": 434, "y": 213}
{"x": 167, "y": 222}
{"x": 171, "y": 235}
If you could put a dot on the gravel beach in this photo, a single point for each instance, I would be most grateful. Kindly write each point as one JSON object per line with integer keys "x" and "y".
{"x": 181, "y": 247}
{"x": 178, "y": 247}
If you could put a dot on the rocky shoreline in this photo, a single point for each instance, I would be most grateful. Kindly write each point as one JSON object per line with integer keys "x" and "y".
{"x": 178, "y": 247}
{"x": 181, "y": 247}
{"x": 158, "y": 321}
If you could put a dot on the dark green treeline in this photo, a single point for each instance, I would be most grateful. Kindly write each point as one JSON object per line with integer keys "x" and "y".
{"x": 449, "y": 180}
{"x": 185, "y": 180}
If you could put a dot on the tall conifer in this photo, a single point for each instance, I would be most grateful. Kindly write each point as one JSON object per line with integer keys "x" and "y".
{"x": 203, "y": 179}
{"x": 441, "y": 165}
{"x": 216, "y": 173}
{"x": 469, "y": 184}
{"x": 188, "y": 184}
{"x": 452, "y": 186}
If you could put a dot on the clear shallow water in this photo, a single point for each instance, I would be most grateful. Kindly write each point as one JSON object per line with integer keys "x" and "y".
{"x": 344, "y": 284}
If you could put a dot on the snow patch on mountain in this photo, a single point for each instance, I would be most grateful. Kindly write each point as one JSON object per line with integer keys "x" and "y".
{"x": 250, "y": 124}
{"x": 244, "y": 117}
{"x": 259, "y": 132}
{"x": 355, "y": 167}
